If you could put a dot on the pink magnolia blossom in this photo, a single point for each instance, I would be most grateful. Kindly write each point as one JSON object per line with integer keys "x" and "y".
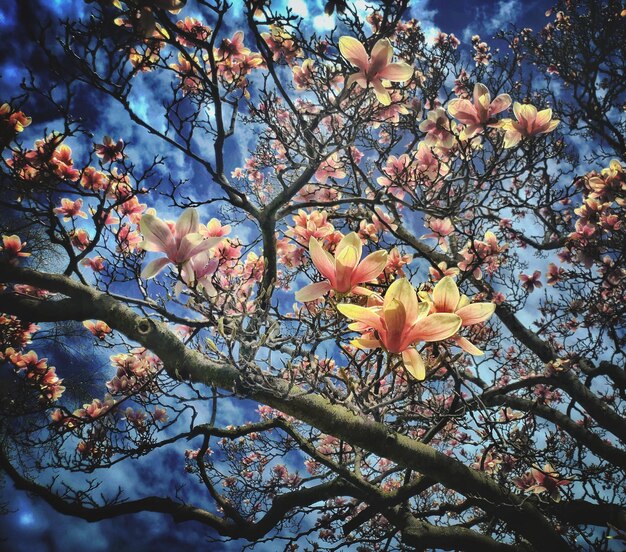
{"x": 70, "y": 209}
{"x": 399, "y": 323}
{"x": 446, "y": 298}
{"x": 441, "y": 228}
{"x": 547, "y": 481}
{"x": 179, "y": 243}
{"x": 530, "y": 122}
{"x": 98, "y": 328}
{"x": 95, "y": 263}
{"x": 110, "y": 150}
{"x": 529, "y": 283}
{"x": 13, "y": 247}
{"x": 373, "y": 69}
{"x": 345, "y": 270}
{"x": 438, "y": 129}
{"x": 331, "y": 167}
{"x": 475, "y": 115}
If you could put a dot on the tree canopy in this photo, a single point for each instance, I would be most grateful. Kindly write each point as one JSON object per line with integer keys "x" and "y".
{"x": 369, "y": 293}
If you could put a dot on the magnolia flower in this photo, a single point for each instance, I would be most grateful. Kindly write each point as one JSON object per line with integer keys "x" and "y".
{"x": 529, "y": 283}
{"x": 375, "y": 68}
{"x": 479, "y": 112}
{"x": 110, "y": 150}
{"x": 180, "y": 243}
{"x": 13, "y": 246}
{"x": 547, "y": 481}
{"x": 98, "y": 328}
{"x": 438, "y": 129}
{"x": 70, "y": 209}
{"x": 345, "y": 270}
{"x": 446, "y": 298}
{"x": 529, "y": 122}
{"x": 399, "y": 324}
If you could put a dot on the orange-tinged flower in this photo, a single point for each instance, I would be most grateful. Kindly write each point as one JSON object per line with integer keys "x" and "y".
{"x": 479, "y": 112}
{"x": 13, "y": 246}
{"x": 530, "y": 122}
{"x": 446, "y": 298}
{"x": 345, "y": 270}
{"x": 98, "y": 328}
{"x": 373, "y": 69}
{"x": 399, "y": 323}
{"x": 70, "y": 209}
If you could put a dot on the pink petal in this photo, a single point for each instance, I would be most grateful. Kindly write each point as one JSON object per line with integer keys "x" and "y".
{"x": 154, "y": 267}
{"x": 464, "y": 111}
{"x": 157, "y": 235}
{"x": 446, "y": 295}
{"x": 382, "y": 52}
{"x": 476, "y": 313}
{"x": 381, "y": 92}
{"x": 322, "y": 260}
{"x": 467, "y": 346}
{"x": 354, "y": 52}
{"x": 397, "y": 72}
{"x": 502, "y": 102}
{"x": 435, "y": 327}
{"x": 370, "y": 267}
{"x": 312, "y": 291}
{"x": 414, "y": 363}
{"x": 187, "y": 223}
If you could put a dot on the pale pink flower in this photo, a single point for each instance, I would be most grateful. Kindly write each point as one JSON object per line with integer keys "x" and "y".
{"x": 529, "y": 283}
{"x": 441, "y": 228}
{"x": 438, "y": 129}
{"x": 98, "y": 328}
{"x": 475, "y": 115}
{"x": 373, "y": 69}
{"x": 530, "y": 122}
{"x": 331, "y": 167}
{"x": 345, "y": 270}
{"x": 110, "y": 150}
{"x": 179, "y": 243}
{"x": 13, "y": 247}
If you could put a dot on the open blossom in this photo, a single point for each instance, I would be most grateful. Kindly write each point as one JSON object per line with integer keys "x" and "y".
{"x": 546, "y": 480}
{"x": 475, "y": 115}
{"x": 331, "y": 167}
{"x": 399, "y": 323}
{"x": 110, "y": 150}
{"x": 95, "y": 263}
{"x": 98, "y": 328}
{"x": 70, "y": 209}
{"x": 438, "y": 129}
{"x": 373, "y": 69}
{"x": 179, "y": 243}
{"x": 529, "y": 283}
{"x": 306, "y": 226}
{"x": 530, "y": 122}
{"x": 13, "y": 247}
{"x": 303, "y": 75}
{"x": 446, "y": 298}
{"x": 345, "y": 270}
{"x": 441, "y": 228}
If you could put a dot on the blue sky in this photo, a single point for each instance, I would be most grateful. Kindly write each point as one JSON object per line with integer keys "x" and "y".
{"x": 35, "y": 527}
